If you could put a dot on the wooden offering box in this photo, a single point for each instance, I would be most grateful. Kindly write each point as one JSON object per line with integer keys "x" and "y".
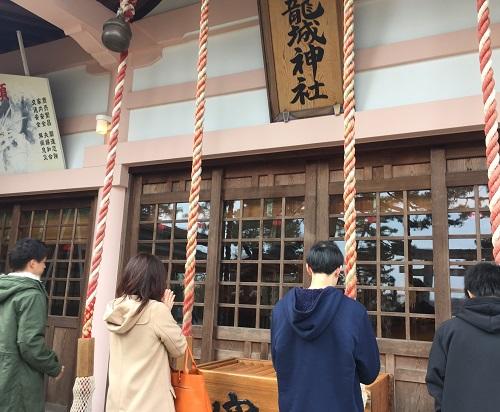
{"x": 251, "y": 384}
{"x": 379, "y": 394}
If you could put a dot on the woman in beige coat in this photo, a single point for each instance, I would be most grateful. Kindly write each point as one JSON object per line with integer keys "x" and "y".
{"x": 143, "y": 336}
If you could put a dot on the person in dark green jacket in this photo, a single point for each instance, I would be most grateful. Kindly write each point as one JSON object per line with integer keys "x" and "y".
{"x": 24, "y": 356}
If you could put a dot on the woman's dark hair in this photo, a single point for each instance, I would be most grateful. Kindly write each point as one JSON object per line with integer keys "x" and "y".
{"x": 324, "y": 257}
{"x": 25, "y": 250}
{"x": 483, "y": 279}
{"x": 145, "y": 277}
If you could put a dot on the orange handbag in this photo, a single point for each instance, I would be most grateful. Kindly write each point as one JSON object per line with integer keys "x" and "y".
{"x": 190, "y": 390}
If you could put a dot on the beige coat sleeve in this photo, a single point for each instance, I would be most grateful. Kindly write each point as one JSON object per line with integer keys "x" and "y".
{"x": 168, "y": 331}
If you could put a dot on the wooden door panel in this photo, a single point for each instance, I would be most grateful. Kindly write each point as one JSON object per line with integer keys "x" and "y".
{"x": 66, "y": 226}
{"x": 411, "y": 397}
{"x": 64, "y": 344}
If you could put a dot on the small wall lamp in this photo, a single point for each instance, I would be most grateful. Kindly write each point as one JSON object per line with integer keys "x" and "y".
{"x": 102, "y": 124}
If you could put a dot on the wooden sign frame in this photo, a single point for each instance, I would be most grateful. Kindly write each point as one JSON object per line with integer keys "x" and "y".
{"x": 280, "y": 107}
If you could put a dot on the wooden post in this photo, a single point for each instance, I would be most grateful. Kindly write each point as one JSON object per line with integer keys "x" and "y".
{"x": 214, "y": 235}
{"x": 379, "y": 394}
{"x": 85, "y": 358}
{"x": 310, "y": 212}
{"x": 440, "y": 235}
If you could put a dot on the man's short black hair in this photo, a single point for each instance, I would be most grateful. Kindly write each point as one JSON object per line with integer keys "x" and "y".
{"x": 325, "y": 257}
{"x": 483, "y": 279}
{"x": 25, "y": 250}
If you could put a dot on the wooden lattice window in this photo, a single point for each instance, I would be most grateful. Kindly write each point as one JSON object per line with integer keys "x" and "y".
{"x": 5, "y": 225}
{"x": 163, "y": 232}
{"x": 469, "y": 235}
{"x": 395, "y": 260}
{"x": 66, "y": 233}
{"x": 262, "y": 257}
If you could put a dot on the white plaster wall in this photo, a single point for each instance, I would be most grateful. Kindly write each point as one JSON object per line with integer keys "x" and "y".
{"x": 77, "y": 92}
{"x": 222, "y": 112}
{"x": 387, "y": 21}
{"x": 74, "y": 147}
{"x": 228, "y": 53}
{"x": 379, "y": 22}
{"x": 440, "y": 79}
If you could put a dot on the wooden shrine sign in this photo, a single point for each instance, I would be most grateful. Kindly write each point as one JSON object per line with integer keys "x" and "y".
{"x": 302, "y": 42}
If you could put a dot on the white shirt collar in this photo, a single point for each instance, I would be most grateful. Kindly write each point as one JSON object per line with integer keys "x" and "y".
{"x": 25, "y": 275}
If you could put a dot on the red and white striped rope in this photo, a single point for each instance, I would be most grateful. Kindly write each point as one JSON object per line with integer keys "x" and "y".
{"x": 127, "y": 9}
{"x": 349, "y": 152}
{"x": 490, "y": 120}
{"x": 194, "y": 193}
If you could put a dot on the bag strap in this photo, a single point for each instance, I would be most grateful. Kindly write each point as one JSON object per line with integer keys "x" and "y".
{"x": 187, "y": 355}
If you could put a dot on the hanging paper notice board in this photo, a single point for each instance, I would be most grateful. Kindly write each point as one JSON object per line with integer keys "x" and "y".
{"x": 29, "y": 135}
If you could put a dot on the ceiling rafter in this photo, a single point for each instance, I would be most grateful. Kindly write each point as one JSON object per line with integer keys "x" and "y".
{"x": 83, "y": 22}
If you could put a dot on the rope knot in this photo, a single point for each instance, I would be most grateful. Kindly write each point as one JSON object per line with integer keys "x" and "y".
{"x": 127, "y": 9}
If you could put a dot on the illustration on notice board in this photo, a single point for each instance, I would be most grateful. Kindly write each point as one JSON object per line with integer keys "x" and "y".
{"x": 29, "y": 136}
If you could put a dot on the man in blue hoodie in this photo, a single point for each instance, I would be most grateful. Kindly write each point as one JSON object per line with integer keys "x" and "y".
{"x": 322, "y": 342}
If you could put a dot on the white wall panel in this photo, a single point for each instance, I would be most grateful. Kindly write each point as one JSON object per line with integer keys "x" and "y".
{"x": 74, "y": 147}
{"x": 440, "y": 79}
{"x": 379, "y": 22}
{"x": 222, "y": 112}
{"x": 77, "y": 92}
{"x": 228, "y": 53}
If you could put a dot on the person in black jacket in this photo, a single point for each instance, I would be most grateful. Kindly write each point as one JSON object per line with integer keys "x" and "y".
{"x": 322, "y": 343}
{"x": 464, "y": 364}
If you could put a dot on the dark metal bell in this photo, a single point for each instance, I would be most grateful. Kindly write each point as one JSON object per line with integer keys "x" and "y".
{"x": 116, "y": 34}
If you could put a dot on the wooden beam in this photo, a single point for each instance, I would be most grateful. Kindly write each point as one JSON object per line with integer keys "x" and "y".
{"x": 323, "y": 201}
{"x": 310, "y": 217}
{"x": 216, "y": 86}
{"x": 80, "y": 20}
{"x": 48, "y": 57}
{"x": 440, "y": 235}
{"x": 404, "y": 348}
{"x": 210, "y": 310}
{"x": 83, "y": 20}
{"x": 77, "y": 124}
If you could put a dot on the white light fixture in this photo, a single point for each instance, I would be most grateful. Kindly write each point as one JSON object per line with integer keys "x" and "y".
{"x": 102, "y": 124}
